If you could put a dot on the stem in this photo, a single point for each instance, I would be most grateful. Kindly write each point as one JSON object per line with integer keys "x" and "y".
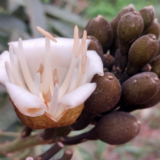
{"x": 90, "y": 135}
{"x": 26, "y": 132}
{"x": 67, "y": 155}
{"x": 10, "y": 134}
{"x": 51, "y": 152}
{"x": 21, "y": 143}
{"x": 83, "y": 121}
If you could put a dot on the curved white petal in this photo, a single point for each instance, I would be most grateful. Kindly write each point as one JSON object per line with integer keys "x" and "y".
{"x": 95, "y": 67}
{"x": 27, "y": 103}
{"x": 78, "y": 96}
{"x": 34, "y": 51}
{"x": 3, "y": 74}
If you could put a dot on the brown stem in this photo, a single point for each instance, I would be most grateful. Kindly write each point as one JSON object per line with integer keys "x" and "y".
{"x": 47, "y": 134}
{"x": 26, "y": 132}
{"x": 90, "y": 135}
{"x": 67, "y": 155}
{"x": 83, "y": 121}
{"x": 51, "y": 152}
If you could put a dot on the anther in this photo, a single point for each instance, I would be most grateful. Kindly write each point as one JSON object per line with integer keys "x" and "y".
{"x": 46, "y": 34}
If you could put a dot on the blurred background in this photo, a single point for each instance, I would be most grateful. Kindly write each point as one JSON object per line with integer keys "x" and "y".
{"x": 19, "y": 18}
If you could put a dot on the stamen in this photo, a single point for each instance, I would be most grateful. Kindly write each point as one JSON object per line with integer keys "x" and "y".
{"x": 24, "y": 67}
{"x": 40, "y": 70}
{"x": 53, "y": 108}
{"x": 79, "y": 76}
{"x": 83, "y": 42}
{"x": 76, "y": 39}
{"x": 47, "y": 70}
{"x": 55, "y": 77}
{"x": 14, "y": 71}
{"x": 11, "y": 80}
{"x": 37, "y": 84}
{"x": 73, "y": 81}
{"x": 66, "y": 82}
{"x": 85, "y": 79}
{"x": 46, "y": 34}
{"x": 84, "y": 59}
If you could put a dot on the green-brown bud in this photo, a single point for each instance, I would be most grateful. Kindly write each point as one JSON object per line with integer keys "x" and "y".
{"x": 154, "y": 28}
{"x": 141, "y": 52}
{"x": 156, "y": 65}
{"x": 139, "y": 89}
{"x": 130, "y": 27}
{"x": 148, "y": 15}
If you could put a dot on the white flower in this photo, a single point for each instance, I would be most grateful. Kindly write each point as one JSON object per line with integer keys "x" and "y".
{"x": 49, "y": 76}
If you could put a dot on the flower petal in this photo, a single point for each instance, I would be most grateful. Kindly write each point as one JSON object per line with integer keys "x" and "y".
{"x": 3, "y": 74}
{"x": 27, "y": 103}
{"x": 95, "y": 67}
{"x": 78, "y": 96}
{"x": 34, "y": 51}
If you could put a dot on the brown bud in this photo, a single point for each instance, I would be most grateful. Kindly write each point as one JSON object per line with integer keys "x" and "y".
{"x": 154, "y": 28}
{"x": 95, "y": 45}
{"x": 148, "y": 15}
{"x": 101, "y": 29}
{"x": 146, "y": 68}
{"x": 106, "y": 95}
{"x": 130, "y": 27}
{"x": 141, "y": 52}
{"x": 108, "y": 61}
{"x": 117, "y": 128}
{"x": 139, "y": 89}
{"x": 156, "y": 65}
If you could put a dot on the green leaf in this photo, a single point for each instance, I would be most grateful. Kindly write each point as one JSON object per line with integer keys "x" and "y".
{"x": 36, "y": 16}
{"x": 65, "y": 15}
{"x": 61, "y": 27}
{"x": 9, "y": 23}
{"x": 100, "y": 149}
{"x": 7, "y": 115}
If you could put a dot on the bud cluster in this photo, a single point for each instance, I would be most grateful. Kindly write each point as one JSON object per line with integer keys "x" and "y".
{"x": 129, "y": 49}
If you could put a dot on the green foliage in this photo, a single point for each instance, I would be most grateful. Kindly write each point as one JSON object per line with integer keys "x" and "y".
{"x": 110, "y": 8}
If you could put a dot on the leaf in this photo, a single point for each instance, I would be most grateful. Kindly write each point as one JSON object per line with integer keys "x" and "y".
{"x": 100, "y": 149}
{"x": 65, "y": 15}
{"x": 9, "y": 23}
{"x": 34, "y": 10}
{"x": 61, "y": 27}
{"x": 7, "y": 115}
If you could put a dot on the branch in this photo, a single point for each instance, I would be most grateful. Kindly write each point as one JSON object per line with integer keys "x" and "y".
{"x": 21, "y": 143}
{"x": 90, "y": 135}
{"x": 26, "y": 132}
{"x": 67, "y": 155}
{"x": 51, "y": 152}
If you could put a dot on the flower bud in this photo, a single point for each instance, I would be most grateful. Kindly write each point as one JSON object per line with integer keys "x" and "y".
{"x": 117, "y": 128}
{"x": 151, "y": 103}
{"x": 96, "y": 46}
{"x": 148, "y": 15}
{"x": 139, "y": 89}
{"x": 108, "y": 61}
{"x": 142, "y": 52}
{"x": 154, "y": 29}
{"x": 106, "y": 95}
{"x": 101, "y": 29}
{"x": 114, "y": 24}
{"x": 156, "y": 65}
{"x": 130, "y": 27}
